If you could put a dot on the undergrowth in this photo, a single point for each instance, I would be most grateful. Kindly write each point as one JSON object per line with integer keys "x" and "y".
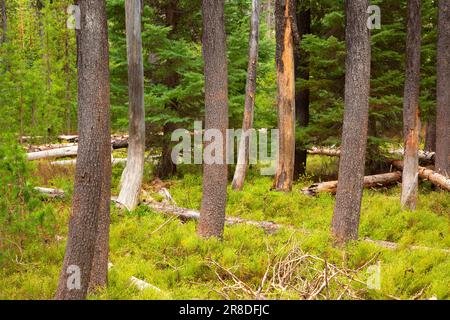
{"x": 166, "y": 252}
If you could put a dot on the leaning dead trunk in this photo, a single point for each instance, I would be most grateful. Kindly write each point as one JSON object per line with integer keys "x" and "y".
{"x": 347, "y": 210}
{"x": 134, "y": 171}
{"x": 284, "y": 11}
{"x": 242, "y": 160}
{"x": 214, "y": 197}
{"x": 411, "y": 119}
{"x": 379, "y": 180}
{"x": 443, "y": 90}
{"x": 87, "y": 238}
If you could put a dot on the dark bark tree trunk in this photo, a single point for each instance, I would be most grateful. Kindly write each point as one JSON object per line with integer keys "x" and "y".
{"x": 284, "y": 11}
{"x": 212, "y": 217}
{"x": 302, "y": 94}
{"x": 4, "y": 22}
{"x": 354, "y": 136}
{"x": 411, "y": 119}
{"x": 430, "y": 136}
{"x": 166, "y": 168}
{"x": 243, "y": 153}
{"x": 87, "y": 243}
{"x": 443, "y": 90}
{"x": 134, "y": 171}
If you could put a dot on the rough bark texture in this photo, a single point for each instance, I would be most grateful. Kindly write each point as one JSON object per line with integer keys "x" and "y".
{"x": 134, "y": 171}
{"x": 86, "y": 241}
{"x": 212, "y": 216}
{"x": 284, "y": 10}
{"x": 379, "y": 180}
{"x": 166, "y": 168}
{"x": 250, "y": 92}
{"x": 411, "y": 119}
{"x": 302, "y": 93}
{"x": 354, "y": 136}
{"x": 443, "y": 90}
{"x": 430, "y": 136}
{"x": 4, "y": 21}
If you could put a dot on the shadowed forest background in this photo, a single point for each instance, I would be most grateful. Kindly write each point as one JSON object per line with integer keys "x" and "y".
{"x": 156, "y": 255}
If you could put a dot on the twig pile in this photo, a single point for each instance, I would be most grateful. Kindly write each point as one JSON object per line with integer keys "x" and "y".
{"x": 295, "y": 275}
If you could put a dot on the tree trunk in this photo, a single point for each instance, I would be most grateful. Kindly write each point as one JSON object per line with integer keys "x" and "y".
{"x": 134, "y": 171}
{"x": 430, "y": 136}
{"x": 243, "y": 153}
{"x": 4, "y": 22}
{"x": 443, "y": 90}
{"x": 166, "y": 168}
{"x": 411, "y": 119}
{"x": 379, "y": 180}
{"x": 87, "y": 245}
{"x": 346, "y": 216}
{"x": 302, "y": 95}
{"x": 212, "y": 217}
{"x": 284, "y": 11}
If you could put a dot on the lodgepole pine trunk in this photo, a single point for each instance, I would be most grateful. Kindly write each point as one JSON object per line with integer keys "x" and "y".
{"x": 89, "y": 222}
{"x": 411, "y": 119}
{"x": 443, "y": 90}
{"x": 212, "y": 214}
{"x": 302, "y": 95}
{"x": 430, "y": 136}
{"x": 347, "y": 209}
{"x": 243, "y": 153}
{"x": 284, "y": 10}
{"x": 134, "y": 171}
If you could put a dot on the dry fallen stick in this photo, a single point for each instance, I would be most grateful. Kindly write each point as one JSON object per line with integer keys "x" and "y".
{"x": 138, "y": 283}
{"x": 142, "y": 285}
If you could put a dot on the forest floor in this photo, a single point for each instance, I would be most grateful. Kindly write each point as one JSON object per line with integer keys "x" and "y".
{"x": 296, "y": 262}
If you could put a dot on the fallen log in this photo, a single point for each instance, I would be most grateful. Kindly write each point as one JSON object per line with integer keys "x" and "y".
{"x": 379, "y": 180}
{"x": 74, "y": 162}
{"x": 53, "y": 193}
{"x": 427, "y": 174}
{"x": 45, "y": 147}
{"x": 117, "y": 141}
{"x": 424, "y": 156}
{"x": 188, "y": 214}
{"x": 53, "y": 153}
{"x": 324, "y": 151}
{"x": 64, "y": 150}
